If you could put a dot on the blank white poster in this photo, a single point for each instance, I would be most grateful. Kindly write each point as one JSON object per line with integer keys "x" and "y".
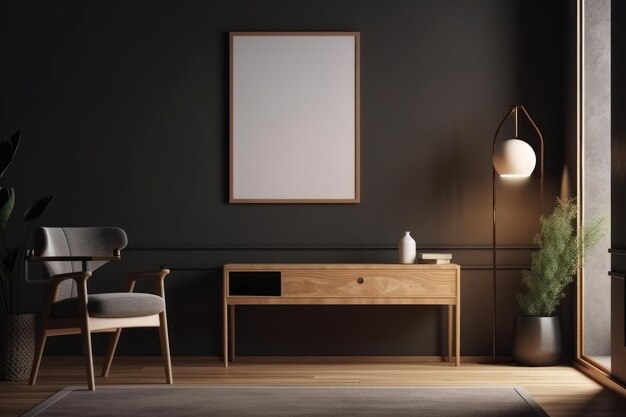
{"x": 294, "y": 118}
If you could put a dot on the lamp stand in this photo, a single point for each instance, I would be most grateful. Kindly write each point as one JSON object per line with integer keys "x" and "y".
{"x": 512, "y": 111}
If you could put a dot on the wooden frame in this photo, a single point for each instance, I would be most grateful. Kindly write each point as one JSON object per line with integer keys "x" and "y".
{"x": 293, "y": 165}
{"x": 85, "y": 325}
{"x": 579, "y": 177}
{"x": 352, "y": 284}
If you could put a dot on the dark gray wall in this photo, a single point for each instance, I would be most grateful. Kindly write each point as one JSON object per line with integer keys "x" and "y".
{"x": 123, "y": 107}
{"x": 618, "y": 184}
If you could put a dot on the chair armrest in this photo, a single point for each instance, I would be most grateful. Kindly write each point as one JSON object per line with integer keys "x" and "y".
{"x": 73, "y": 258}
{"x": 83, "y": 259}
{"x": 57, "y": 279}
{"x": 54, "y": 282}
{"x": 157, "y": 276}
{"x": 79, "y": 277}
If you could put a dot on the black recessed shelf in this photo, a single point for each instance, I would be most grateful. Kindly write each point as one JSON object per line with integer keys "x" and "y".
{"x": 254, "y": 283}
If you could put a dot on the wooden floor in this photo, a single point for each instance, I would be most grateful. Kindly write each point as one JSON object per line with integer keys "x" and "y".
{"x": 561, "y": 390}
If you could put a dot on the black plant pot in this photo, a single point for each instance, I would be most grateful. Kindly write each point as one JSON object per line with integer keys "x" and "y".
{"x": 537, "y": 341}
{"x": 17, "y": 346}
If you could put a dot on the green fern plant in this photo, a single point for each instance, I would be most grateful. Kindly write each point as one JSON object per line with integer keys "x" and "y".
{"x": 560, "y": 254}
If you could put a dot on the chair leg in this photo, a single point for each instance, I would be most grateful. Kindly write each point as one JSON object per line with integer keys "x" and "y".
{"x": 41, "y": 343}
{"x": 113, "y": 339}
{"x": 86, "y": 336}
{"x": 165, "y": 347}
{"x": 85, "y": 331}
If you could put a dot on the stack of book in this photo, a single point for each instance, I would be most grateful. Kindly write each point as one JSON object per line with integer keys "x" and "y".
{"x": 434, "y": 258}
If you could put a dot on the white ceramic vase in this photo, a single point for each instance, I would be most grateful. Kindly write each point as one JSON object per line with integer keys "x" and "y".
{"x": 406, "y": 249}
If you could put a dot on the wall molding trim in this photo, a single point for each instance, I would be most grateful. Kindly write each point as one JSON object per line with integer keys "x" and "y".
{"x": 463, "y": 268}
{"x": 155, "y": 248}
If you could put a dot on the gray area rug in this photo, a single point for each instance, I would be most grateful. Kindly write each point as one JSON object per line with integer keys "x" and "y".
{"x": 227, "y": 401}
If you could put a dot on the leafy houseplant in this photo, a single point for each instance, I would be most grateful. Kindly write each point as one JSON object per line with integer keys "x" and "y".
{"x": 553, "y": 266}
{"x": 17, "y": 331}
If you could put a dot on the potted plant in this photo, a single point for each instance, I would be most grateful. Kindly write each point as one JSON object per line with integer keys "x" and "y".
{"x": 17, "y": 331}
{"x": 537, "y": 334}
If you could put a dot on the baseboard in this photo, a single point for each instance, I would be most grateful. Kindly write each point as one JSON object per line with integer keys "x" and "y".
{"x": 310, "y": 359}
{"x": 366, "y": 359}
{"x": 600, "y": 376}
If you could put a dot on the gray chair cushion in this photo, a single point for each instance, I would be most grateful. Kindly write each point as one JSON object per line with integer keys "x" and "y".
{"x": 112, "y": 305}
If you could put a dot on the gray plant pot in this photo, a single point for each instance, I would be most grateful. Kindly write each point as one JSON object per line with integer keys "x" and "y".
{"x": 537, "y": 341}
{"x": 17, "y": 346}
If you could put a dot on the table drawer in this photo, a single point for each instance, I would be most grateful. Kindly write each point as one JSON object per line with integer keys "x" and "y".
{"x": 368, "y": 283}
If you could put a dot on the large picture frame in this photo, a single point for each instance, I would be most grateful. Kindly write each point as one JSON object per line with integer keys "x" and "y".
{"x": 294, "y": 117}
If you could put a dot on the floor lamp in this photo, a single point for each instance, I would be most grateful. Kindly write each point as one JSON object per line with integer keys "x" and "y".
{"x": 512, "y": 159}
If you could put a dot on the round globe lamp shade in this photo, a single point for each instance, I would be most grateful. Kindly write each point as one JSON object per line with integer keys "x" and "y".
{"x": 514, "y": 158}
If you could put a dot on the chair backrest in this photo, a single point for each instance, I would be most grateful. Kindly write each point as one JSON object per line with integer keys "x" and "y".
{"x": 76, "y": 241}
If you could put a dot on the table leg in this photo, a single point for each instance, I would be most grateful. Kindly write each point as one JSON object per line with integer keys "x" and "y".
{"x": 231, "y": 320}
{"x": 457, "y": 320}
{"x": 225, "y": 335}
{"x": 450, "y": 330}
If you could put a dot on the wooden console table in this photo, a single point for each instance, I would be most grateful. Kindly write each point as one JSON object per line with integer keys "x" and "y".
{"x": 342, "y": 284}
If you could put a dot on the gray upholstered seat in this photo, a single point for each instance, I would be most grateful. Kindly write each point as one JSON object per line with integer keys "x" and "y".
{"x": 112, "y": 305}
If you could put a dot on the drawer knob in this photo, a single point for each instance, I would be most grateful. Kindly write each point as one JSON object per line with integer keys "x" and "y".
{"x": 360, "y": 280}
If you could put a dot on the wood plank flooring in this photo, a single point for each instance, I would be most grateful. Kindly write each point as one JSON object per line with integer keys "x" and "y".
{"x": 561, "y": 390}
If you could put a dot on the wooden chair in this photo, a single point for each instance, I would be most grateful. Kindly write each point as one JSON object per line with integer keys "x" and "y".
{"x": 70, "y": 255}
